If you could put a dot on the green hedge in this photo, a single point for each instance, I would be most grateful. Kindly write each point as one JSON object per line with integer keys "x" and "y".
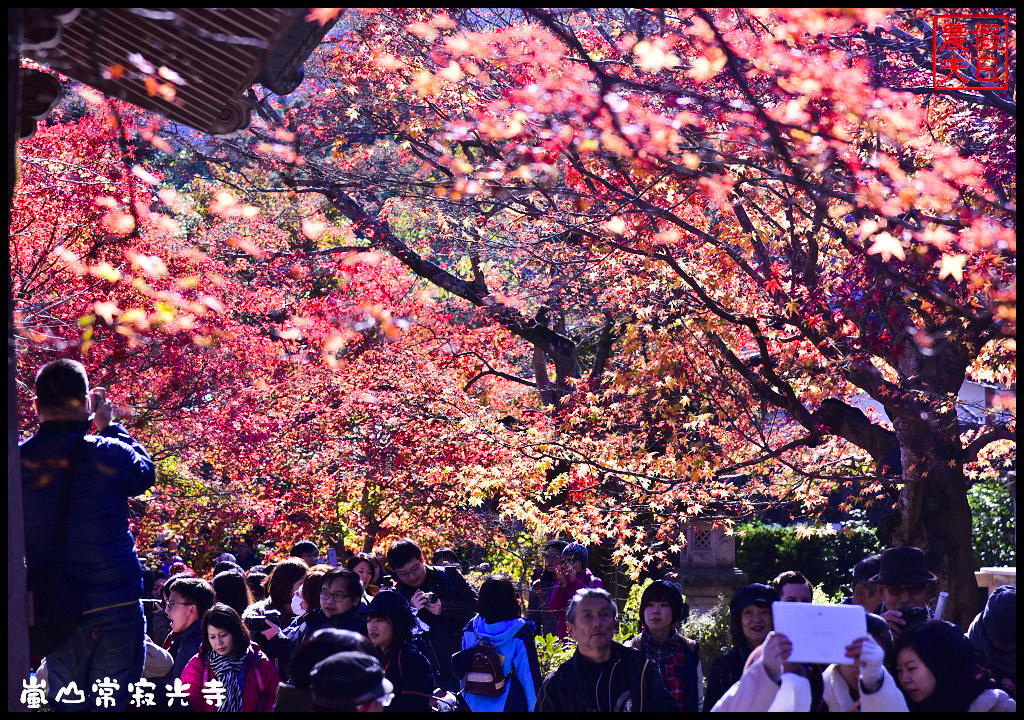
{"x": 994, "y": 524}
{"x": 825, "y": 556}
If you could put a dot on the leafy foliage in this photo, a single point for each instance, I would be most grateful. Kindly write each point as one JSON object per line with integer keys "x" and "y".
{"x": 590, "y": 272}
{"x": 711, "y": 630}
{"x": 995, "y": 524}
{"x": 824, "y": 556}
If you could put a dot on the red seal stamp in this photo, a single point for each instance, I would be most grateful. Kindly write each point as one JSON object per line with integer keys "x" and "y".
{"x": 970, "y": 52}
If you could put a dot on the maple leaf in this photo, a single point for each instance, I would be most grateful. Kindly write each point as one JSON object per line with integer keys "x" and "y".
{"x": 323, "y": 15}
{"x": 887, "y": 246}
{"x": 952, "y": 265}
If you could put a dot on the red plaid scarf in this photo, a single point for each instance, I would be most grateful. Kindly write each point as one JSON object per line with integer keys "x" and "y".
{"x": 668, "y": 655}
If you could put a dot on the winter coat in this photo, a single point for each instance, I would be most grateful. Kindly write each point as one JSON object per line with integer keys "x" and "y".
{"x": 288, "y": 640}
{"x": 412, "y": 676}
{"x": 838, "y": 697}
{"x": 254, "y": 618}
{"x": 183, "y": 646}
{"x": 725, "y": 672}
{"x": 458, "y": 606}
{"x": 109, "y": 468}
{"x": 567, "y": 690}
{"x": 259, "y": 688}
{"x": 513, "y": 641}
{"x": 678, "y": 655}
{"x": 757, "y": 692}
{"x": 562, "y": 594}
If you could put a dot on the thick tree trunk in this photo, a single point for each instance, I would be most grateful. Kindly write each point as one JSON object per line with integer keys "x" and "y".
{"x": 933, "y": 510}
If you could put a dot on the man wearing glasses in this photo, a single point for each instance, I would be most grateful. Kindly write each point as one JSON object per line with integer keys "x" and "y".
{"x": 188, "y": 599}
{"x": 905, "y": 580}
{"x": 340, "y": 597}
{"x": 443, "y": 598}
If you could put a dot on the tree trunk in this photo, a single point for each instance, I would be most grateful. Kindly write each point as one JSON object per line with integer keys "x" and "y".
{"x": 933, "y": 511}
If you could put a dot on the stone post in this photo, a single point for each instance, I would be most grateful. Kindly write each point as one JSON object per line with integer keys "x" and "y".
{"x": 707, "y": 565}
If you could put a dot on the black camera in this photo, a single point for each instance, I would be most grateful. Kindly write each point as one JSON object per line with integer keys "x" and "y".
{"x": 913, "y": 616}
{"x": 431, "y": 598}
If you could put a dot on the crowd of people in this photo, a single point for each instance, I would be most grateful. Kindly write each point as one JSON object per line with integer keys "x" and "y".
{"x": 397, "y": 634}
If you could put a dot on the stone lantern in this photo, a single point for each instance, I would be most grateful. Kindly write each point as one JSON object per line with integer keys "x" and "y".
{"x": 707, "y": 565}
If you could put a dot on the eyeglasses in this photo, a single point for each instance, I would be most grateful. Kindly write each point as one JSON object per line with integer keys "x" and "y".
{"x": 409, "y": 573}
{"x": 171, "y": 604}
{"x": 915, "y": 589}
{"x": 335, "y": 597}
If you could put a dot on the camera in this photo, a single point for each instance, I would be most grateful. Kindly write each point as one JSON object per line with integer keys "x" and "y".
{"x": 431, "y": 597}
{"x": 913, "y": 616}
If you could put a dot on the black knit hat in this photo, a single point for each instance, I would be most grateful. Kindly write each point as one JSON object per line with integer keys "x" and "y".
{"x": 668, "y": 592}
{"x": 392, "y": 605}
{"x": 754, "y": 593}
{"x": 346, "y": 680}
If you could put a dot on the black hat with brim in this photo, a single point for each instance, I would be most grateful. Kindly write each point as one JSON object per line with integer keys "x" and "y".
{"x": 903, "y": 566}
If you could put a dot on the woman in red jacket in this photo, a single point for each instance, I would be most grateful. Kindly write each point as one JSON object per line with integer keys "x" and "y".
{"x": 246, "y": 681}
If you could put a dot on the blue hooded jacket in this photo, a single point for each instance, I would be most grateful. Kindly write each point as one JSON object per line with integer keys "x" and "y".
{"x": 513, "y": 640}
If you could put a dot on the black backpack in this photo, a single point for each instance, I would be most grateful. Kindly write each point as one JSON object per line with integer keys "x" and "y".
{"x": 485, "y": 675}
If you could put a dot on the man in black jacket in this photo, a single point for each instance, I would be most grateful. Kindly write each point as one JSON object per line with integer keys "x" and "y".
{"x": 340, "y": 597}
{"x": 602, "y": 676}
{"x": 445, "y": 602}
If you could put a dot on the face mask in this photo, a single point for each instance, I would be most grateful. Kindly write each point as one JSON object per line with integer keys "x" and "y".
{"x": 297, "y": 605}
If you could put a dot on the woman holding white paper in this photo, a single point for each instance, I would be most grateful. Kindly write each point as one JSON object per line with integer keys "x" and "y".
{"x": 770, "y": 684}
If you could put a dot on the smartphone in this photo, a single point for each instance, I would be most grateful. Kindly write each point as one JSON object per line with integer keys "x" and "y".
{"x": 332, "y": 557}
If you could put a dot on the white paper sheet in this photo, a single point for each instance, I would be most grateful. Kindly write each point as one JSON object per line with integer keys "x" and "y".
{"x": 819, "y": 633}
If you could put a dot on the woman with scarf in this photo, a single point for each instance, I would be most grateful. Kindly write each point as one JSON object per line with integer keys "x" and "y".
{"x": 662, "y": 611}
{"x": 937, "y": 672}
{"x": 248, "y": 679}
{"x": 499, "y": 626}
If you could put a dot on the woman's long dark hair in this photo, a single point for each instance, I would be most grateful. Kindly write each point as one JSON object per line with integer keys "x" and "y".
{"x": 224, "y": 617}
{"x": 948, "y": 655}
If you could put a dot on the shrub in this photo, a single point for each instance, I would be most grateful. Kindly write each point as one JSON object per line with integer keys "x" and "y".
{"x": 824, "y": 555}
{"x": 994, "y": 524}
{"x": 552, "y": 652}
{"x": 711, "y": 630}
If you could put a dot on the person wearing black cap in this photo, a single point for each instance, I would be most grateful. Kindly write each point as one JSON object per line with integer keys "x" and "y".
{"x": 867, "y": 594}
{"x": 662, "y": 611}
{"x": 350, "y": 682}
{"x": 296, "y": 695}
{"x": 993, "y": 633}
{"x": 750, "y": 621}
{"x": 390, "y": 623}
{"x": 905, "y": 580}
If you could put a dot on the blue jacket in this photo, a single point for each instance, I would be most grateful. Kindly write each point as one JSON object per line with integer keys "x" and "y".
{"x": 99, "y": 551}
{"x": 513, "y": 640}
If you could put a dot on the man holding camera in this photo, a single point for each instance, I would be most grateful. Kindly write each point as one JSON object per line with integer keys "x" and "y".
{"x": 76, "y": 488}
{"x": 905, "y": 580}
{"x": 445, "y": 602}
